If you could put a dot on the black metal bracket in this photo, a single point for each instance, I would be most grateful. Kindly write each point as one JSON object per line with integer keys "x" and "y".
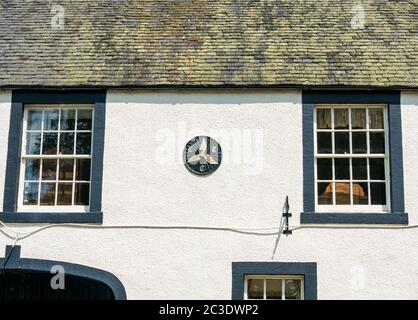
{"x": 6, "y": 260}
{"x": 286, "y": 215}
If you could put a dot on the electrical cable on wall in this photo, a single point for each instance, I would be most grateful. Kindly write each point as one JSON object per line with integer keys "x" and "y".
{"x": 268, "y": 231}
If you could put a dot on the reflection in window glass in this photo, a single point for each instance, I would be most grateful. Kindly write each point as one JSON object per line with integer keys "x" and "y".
{"x": 34, "y": 120}
{"x": 342, "y": 193}
{"x": 342, "y": 169}
{"x": 67, "y": 143}
{"x": 83, "y": 167}
{"x": 342, "y": 142}
{"x": 351, "y": 160}
{"x": 82, "y": 193}
{"x": 49, "y": 143}
{"x": 377, "y": 142}
{"x": 360, "y": 193}
{"x": 293, "y": 290}
{"x": 33, "y": 143}
{"x": 67, "y": 121}
{"x": 84, "y": 119}
{"x": 324, "y": 169}
{"x": 30, "y": 193}
{"x": 32, "y": 169}
{"x": 341, "y": 118}
{"x": 323, "y": 117}
{"x": 65, "y": 194}
{"x": 83, "y": 143}
{"x": 51, "y": 119}
{"x": 359, "y": 142}
{"x": 274, "y": 287}
{"x": 359, "y": 168}
{"x": 56, "y": 156}
{"x": 66, "y": 169}
{"x": 49, "y": 169}
{"x": 325, "y": 193}
{"x": 377, "y": 169}
{"x": 376, "y": 120}
{"x": 378, "y": 193}
{"x": 358, "y": 118}
{"x": 324, "y": 142}
{"x": 255, "y": 289}
{"x": 47, "y": 194}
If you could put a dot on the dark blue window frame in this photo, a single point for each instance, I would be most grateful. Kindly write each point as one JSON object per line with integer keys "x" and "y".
{"x": 306, "y": 269}
{"x": 19, "y": 99}
{"x": 392, "y": 99}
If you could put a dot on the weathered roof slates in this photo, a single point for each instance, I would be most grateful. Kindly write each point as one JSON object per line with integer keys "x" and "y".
{"x": 112, "y": 43}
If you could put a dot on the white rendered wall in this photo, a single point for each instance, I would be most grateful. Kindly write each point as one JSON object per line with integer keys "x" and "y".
{"x": 141, "y": 188}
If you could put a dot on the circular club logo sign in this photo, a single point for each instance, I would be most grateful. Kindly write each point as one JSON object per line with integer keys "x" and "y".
{"x": 202, "y": 155}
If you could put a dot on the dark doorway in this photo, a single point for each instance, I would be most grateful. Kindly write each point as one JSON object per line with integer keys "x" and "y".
{"x": 36, "y": 285}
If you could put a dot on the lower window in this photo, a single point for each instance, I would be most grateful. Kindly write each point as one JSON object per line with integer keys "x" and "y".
{"x": 272, "y": 287}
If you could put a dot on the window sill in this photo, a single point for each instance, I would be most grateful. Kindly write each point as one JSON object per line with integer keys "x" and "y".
{"x": 354, "y": 218}
{"x": 52, "y": 217}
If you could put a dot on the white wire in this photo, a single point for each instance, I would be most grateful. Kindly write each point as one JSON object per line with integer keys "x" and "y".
{"x": 254, "y": 231}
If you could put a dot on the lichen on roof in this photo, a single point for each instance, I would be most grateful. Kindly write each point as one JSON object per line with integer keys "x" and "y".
{"x": 114, "y": 43}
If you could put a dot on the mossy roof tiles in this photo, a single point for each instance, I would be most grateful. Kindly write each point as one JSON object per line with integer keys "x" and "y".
{"x": 123, "y": 43}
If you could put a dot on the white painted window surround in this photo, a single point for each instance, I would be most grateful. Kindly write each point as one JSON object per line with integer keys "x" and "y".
{"x": 63, "y": 171}
{"x": 348, "y": 192}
